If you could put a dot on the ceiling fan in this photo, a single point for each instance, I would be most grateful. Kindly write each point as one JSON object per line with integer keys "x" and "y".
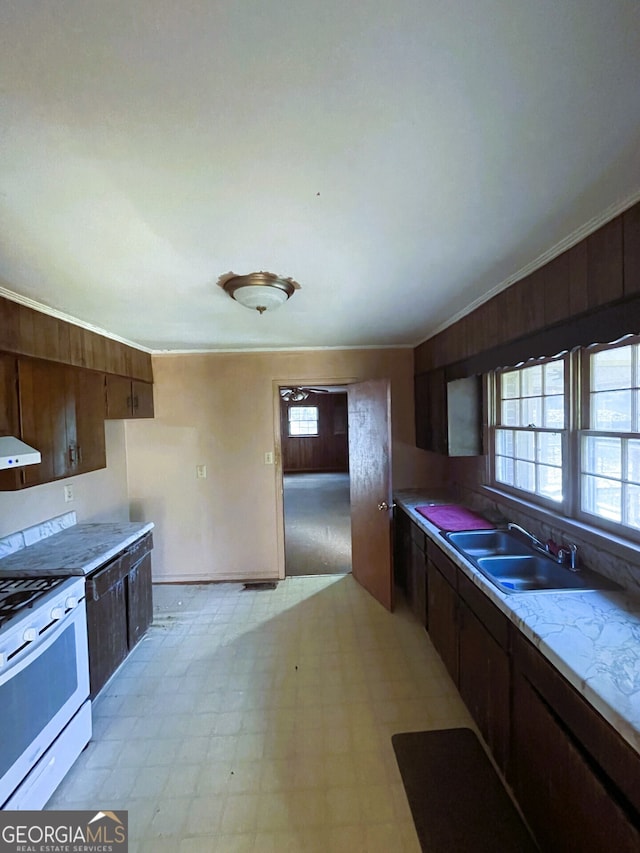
{"x": 299, "y": 393}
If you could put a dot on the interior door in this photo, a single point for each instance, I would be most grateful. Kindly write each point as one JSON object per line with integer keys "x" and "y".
{"x": 370, "y": 478}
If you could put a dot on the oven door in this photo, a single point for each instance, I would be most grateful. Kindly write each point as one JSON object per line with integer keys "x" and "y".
{"x": 40, "y": 691}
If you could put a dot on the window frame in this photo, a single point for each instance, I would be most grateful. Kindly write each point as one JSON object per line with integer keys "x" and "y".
{"x": 495, "y": 424}
{"x": 577, "y": 392}
{"x": 316, "y": 420}
{"x": 584, "y": 429}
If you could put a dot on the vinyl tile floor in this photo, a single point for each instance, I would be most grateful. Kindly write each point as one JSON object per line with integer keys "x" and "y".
{"x": 262, "y": 721}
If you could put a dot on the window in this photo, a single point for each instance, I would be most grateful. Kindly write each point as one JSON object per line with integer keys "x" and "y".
{"x": 610, "y": 445}
{"x": 530, "y": 433}
{"x": 303, "y": 420}
{"x": 573, "y": 444}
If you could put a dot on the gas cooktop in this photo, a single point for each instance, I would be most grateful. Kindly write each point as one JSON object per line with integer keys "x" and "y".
{"x": 19, "y": 593}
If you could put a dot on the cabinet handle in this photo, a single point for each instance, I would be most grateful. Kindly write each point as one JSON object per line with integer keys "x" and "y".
{"x": 79, "y": 453}
{"x": 135, "y": 402}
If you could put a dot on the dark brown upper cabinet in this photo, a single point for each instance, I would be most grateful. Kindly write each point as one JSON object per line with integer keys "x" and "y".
{"x": 61, "y": 415}
{"x": 448, "y": 414}
{"x": 127, "y": 398}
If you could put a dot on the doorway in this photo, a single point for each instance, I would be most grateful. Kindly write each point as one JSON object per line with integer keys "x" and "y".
{"x": 314, "y": 446}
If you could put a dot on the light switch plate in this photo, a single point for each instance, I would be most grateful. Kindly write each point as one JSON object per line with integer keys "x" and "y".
{"x": 201, "y": 472}
{"x": 68, "y": 493}
{"x": 268, "y": 457}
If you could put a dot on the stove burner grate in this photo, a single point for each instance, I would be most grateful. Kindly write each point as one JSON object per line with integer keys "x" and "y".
{"x": 18, "y": 593}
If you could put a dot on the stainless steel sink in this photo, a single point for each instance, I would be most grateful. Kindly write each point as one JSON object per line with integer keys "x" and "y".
{"x": 526, "y": 573}
{"x": 514, "y": 566}
{"x": 488, "y": 543}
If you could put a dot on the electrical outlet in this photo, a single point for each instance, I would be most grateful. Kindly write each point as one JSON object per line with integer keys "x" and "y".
{"x": 201, "y": 472}
{"x": 268, "y": 458}
{"x": 68, "y": 493}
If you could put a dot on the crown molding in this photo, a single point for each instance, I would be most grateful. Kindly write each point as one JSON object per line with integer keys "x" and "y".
{"x": 66, "y": 318}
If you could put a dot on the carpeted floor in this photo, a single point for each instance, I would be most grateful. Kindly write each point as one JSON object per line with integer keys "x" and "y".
{"x": 317, "y": 524}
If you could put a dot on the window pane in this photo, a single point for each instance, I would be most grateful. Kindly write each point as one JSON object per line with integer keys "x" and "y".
{"x": 526, "y": 476}
{"x": 550, "y": 482}
{"x": 525, "y": 445}
{"x": 550, "y": 448}
{"x": 510, "y": 383}
{"x": 602, "y": 497}
{"x": 511, "y": 412}
{"x": 504, "y": 442}
{"x": 554, "y": 377}
{"x": 602, "y": 455}
{"x": 532, "y": 411}
{"x": 554, "y": 411}
{"x": 531, "y": 378}
{"x": 633, "y": 460}
{"x": 504, "y": 470}
{"x": 611, "y": 411}
{"x": 303, "y": 413}
{"x": 611, "y": 369}
{"x": 633, "y": 506}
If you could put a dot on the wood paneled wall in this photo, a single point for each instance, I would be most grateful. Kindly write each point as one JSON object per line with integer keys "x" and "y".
{"x": 602, "y": 270}
{"x": 24, "y": 331}
{"x": 327, "y": 451}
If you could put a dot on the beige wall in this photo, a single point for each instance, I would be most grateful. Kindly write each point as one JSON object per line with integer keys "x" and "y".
{"x": 220, "y": 410}
{"x": 98, "y": 496}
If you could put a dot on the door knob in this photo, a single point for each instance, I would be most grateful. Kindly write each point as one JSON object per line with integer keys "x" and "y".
{"x": 383, "y": 505}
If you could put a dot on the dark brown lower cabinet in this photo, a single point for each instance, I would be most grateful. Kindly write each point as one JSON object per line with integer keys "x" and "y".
{"x": 484, "y": 682}
{"x": 140, "y": 600}
{"x": 443, "y": 617}
{"x": 119, "y": 610}
{"x": 418, "y": 573}
{"x": 575, "y": 778}
{"x": 568, "y": 804}
{"x": 106, "y": 623}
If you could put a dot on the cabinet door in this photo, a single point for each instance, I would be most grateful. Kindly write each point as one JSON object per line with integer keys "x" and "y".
{"x": 431, "y": 411}
{"x": 484, "y": 683}
{"x": 566, "y": 803}
{"x": 142, "y": 399}
{"x": 418, "y": 583}
{"x": 86, "y": 389}
{"x": 139, "y": 600}
{"x": 43, "y": 404}
{"x": 119, "y": 403}
{"x": 443, "y": 618}
{"x": 107, "y": 632}
{"x": 401, "y": 549}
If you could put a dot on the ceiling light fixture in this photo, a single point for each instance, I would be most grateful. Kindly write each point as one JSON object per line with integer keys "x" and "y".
{"x": 293, "y": 395}
{"x": 262, "y": 291}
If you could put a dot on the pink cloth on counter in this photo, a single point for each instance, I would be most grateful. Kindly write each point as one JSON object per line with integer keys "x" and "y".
{"x": 451, "y": 517}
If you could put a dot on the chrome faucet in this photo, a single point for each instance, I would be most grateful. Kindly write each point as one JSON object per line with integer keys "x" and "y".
{"x": 535, "y": 542}
{"x": 569, "y": 554}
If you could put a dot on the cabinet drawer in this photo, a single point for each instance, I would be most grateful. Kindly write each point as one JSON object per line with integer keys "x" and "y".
{"x": 99, "y": 584}
{"x": 139, "y": 548}
{"x": 493, "y": 620}
{"x": 610, "y": 751}
{"x": 445, "y": 565}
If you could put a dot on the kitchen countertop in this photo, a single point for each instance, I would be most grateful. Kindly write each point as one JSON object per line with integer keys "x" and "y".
{"x": 592, "y": 638}
{"x": 77, "y": 550}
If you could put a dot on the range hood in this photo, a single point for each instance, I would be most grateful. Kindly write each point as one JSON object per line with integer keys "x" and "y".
{"x": 15, "y": 453}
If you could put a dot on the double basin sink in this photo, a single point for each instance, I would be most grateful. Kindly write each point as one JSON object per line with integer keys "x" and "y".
{"x": 514, "y": 566}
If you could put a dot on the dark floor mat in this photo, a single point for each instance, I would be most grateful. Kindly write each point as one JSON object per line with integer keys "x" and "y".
{"x": 259, "y": 585}
{"x": 457, "y": 800}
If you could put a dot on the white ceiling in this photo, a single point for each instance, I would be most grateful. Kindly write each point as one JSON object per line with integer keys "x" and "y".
{"x": 398, "y": 158}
